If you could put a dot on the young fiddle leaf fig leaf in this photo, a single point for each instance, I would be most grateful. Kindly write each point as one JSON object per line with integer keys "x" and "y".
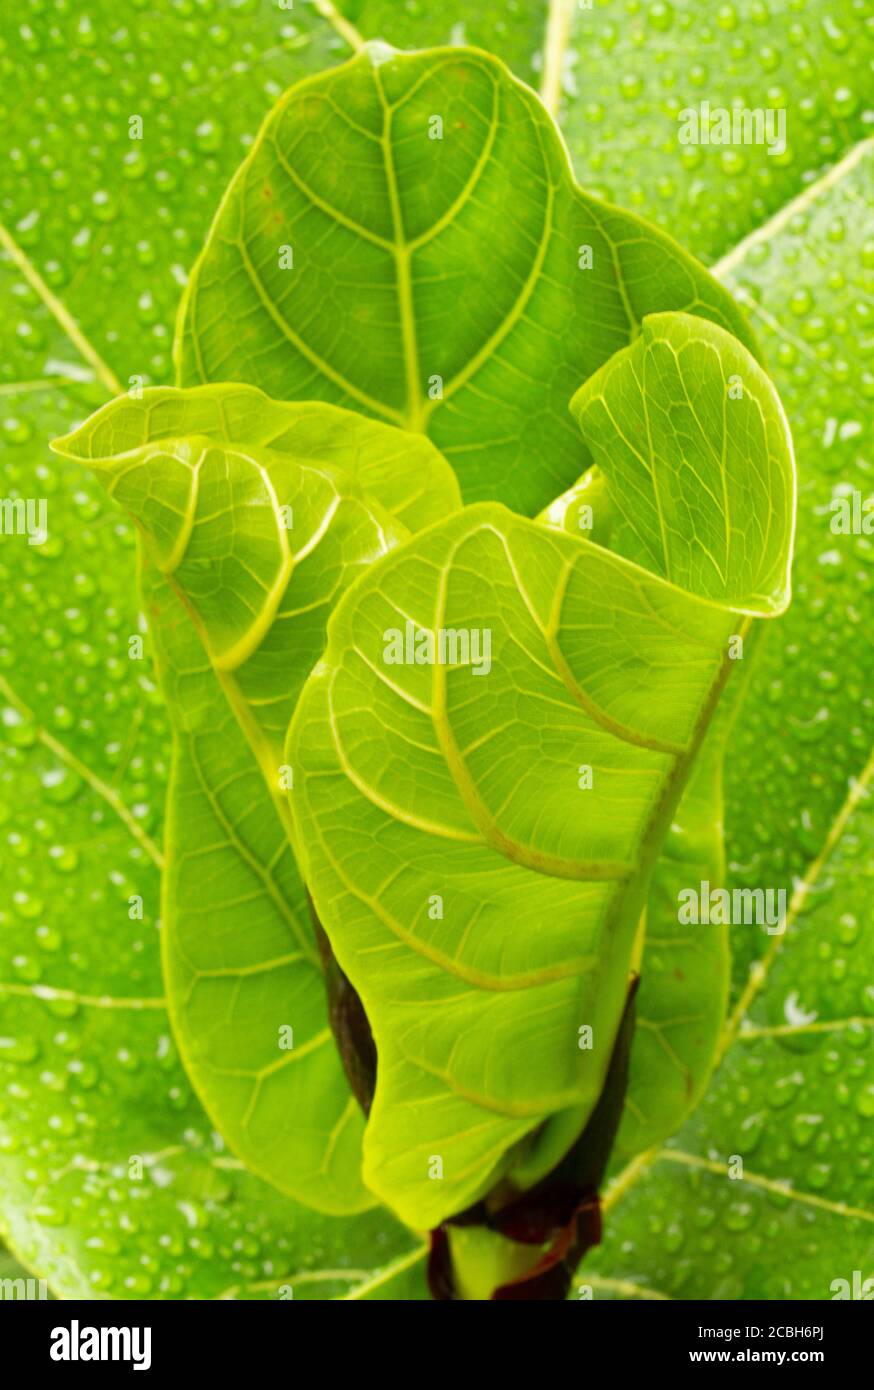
{"x": 244, "y": 986}
{"x": 499, "y": 919}
{"x": 694, "y": 448}
{"x": 441, "y": 271}
{"x": 466, "y": 680}
{"x": 684, "y": 975}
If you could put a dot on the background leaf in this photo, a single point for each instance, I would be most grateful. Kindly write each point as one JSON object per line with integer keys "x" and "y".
{"x": 514, "y": 31}
{"x": 404, "y": 473}
{"x": 626, "y": 76}
{"x": 90, "y": 1080}
{"x": 113, "y": 223}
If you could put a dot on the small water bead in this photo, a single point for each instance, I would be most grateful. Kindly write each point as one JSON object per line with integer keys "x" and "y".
{"x": 63, "y": 859}
{"x": 750, "y": 1133}
{"x": 60, "y": 784}
{"x": 22, "y": 1048}
{"x": 62, "y": 1124}
{"x": 159, "y": 87}
{"x": 27, "y": 906}
{"x": 631, "y": 85}
{"x": 733, "y": 161}
{"x": 800, "y": 301}
{"x": 220, "y": 35}
{"x": 661, "y": 16}
{"x": 138, "y": 1285}
{"x": 48, "y": 939}
{"x": 673, "y": 1238}
{"x": 28, "y": 230}
{"x": 836, "y": 37}
{"x": 691, "y": 157}
{"x": 819, "y": 1176}
{"x": 105, "y": 205}
{"x": 803, "y": 1129}
{"x": 49, "y": 1214}
{"x": 127, "y": 1060}
{"x": 738, "y": 1216}
{"x": 837, "y": 229}
{"x": 148, "y": 312}
{"x": 865, "y": 1102}
{"x": 844, "y": 102}
{"x": 19, "y": 730}
{"x": 858, "y": 1037}
{"x": 134, "y": 164}
{"x": 30, "y": 335}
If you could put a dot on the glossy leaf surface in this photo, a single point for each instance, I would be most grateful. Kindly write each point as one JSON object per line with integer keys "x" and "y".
{"x": 440, "y": 270}
{"x": 252, "y": 526}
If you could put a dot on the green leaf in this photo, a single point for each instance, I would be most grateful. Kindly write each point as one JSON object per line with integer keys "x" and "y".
{"x": 707, "y": 537}
{"x": 112, "y": 1181}
{"x": 474, "y": 818}
{"x": 112, "y": 227}
{"x": 692, "y": 468}
{"x": 441, "y": 284}
{"x": 474, "y": 802}
{"x": 254, "y": 526}
{"x": 792, "y": 1096}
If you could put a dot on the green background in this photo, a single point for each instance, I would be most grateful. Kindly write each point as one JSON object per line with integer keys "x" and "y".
{"x": 98, "y": 232}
